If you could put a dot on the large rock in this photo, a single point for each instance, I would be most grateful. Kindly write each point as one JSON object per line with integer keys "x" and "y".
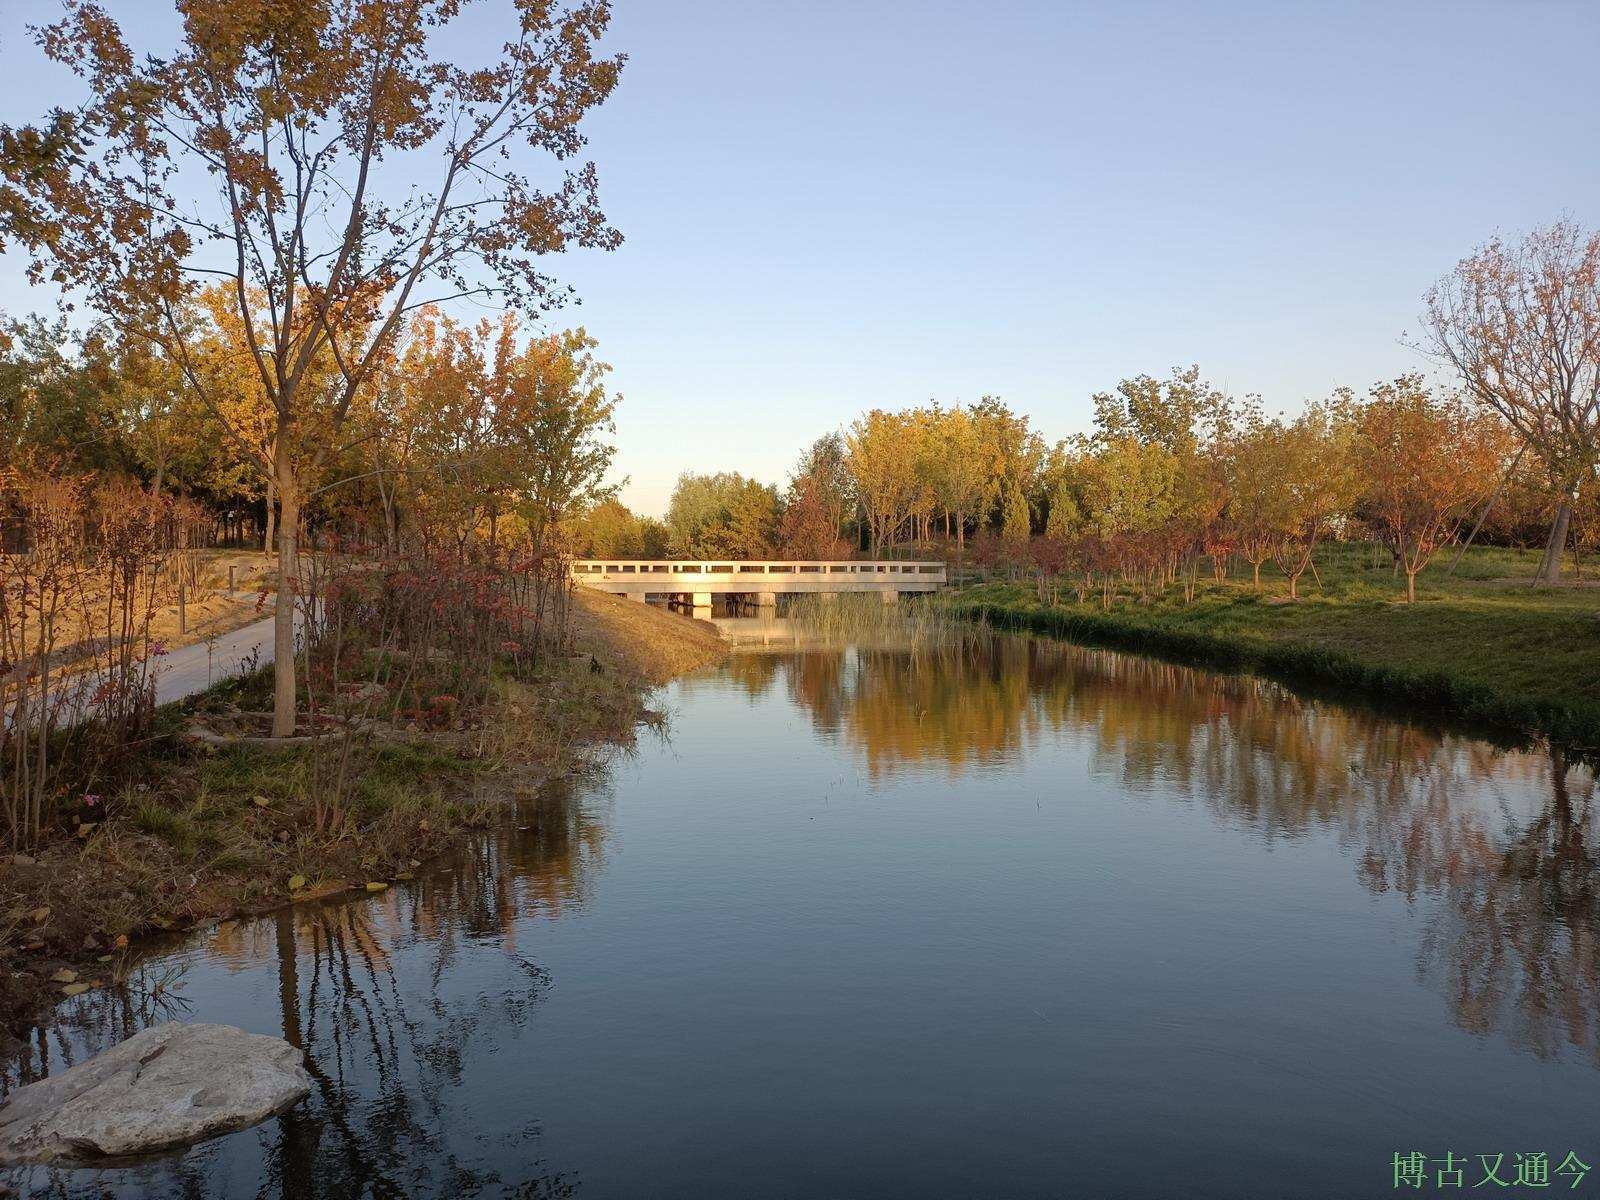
{"x": 171, "y": 1085}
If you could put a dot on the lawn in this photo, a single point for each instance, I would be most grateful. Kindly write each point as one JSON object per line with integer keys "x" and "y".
{"x": 1483, "y": 641}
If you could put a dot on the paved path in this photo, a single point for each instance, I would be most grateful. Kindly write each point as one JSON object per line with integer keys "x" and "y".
{"x": 191, "y": 669}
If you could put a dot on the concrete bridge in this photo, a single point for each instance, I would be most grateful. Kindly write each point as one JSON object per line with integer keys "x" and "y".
{"x": 760, "y": 583}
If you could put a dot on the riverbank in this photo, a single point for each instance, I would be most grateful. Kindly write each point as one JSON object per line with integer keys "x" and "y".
{"x": 1482, "y": 646}
{"x": 203, "y": 833}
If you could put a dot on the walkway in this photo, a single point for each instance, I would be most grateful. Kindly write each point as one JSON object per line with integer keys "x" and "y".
{"x": 188, "y": 670}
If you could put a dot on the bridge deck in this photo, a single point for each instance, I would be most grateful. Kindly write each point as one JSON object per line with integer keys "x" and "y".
{"x": 641, "y": 577}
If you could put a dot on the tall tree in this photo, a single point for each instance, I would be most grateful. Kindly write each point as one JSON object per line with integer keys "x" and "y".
{"x": 1520, "y": 323}
{"x": 822, "y": 477}
{"x": 333, "y": 165}
{"x": 960, "y": 480}
{"x": 809, "y": 528}
{"x": 552, "y": 415}
{"x": 884, "y": 473}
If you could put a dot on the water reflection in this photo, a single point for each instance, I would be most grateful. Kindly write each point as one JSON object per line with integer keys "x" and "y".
{"x": 1502, "y": 841}
{"x": 729, "y": 961}
{"x": 396, "y": 1000}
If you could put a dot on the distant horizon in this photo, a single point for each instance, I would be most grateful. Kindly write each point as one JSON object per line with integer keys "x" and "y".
{"x": 1033, "y": 202}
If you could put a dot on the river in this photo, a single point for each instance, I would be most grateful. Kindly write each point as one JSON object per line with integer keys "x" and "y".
{"x": 1006, "y": 919}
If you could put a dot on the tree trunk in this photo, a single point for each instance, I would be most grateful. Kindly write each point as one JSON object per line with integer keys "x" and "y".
{"x": 1411, "y": 587}
{"x": 391, "y": 528}
{"x": 1556, "y": 547}
{"x": 267, "y": 539}
{"x": 283, "y": 668}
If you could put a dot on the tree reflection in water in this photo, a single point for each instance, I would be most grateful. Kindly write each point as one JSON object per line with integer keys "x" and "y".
{"x": 1511, "y": 881}
{"x": 403, "y": 1001}
{"x": 394, "y": 1000}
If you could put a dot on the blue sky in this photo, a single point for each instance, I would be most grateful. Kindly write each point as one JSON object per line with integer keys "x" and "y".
{"x": 833, "y": 206}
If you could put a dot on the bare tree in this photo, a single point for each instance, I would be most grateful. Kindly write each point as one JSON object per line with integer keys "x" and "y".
{"x": 1520, "y": 322}
{"x": 325, "y": 160}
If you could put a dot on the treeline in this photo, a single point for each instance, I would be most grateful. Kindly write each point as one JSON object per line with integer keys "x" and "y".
{"x": 462, "y": 433}
{"x": 890, "y": 484}
{"x": 1177, "y": 477}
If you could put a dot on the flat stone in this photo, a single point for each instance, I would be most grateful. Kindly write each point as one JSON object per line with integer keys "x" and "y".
{"x": 171, "y": 1085}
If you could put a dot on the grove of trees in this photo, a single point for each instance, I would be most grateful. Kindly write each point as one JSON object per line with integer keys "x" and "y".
{"x": 259, "y": 212}
{"x": 1176, "y": 476}
{"x": 260, "y": 239}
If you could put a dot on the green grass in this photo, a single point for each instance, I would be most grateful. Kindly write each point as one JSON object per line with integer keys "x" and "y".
{"x": 1483, "y": 645}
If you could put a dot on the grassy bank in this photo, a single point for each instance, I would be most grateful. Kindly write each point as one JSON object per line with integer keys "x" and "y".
{"x": 1482, "y": 645}
{"x": 201, "y": 833}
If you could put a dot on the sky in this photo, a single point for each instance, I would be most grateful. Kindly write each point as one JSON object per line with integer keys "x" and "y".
{"x": 834, "y": 206}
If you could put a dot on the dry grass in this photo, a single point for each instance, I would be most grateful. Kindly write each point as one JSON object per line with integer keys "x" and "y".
{"x": 648, "y": 644}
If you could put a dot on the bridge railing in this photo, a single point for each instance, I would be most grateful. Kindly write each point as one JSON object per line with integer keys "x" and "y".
{"x": 689, "y": 570}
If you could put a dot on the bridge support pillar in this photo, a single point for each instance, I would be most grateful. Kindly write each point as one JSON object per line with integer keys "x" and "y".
{"x": 766, "y": 599}
{"x": 827, "y": 597}
{"x": 702, "y": 601}
{"x": 890, "y": 596}
{"x": 639, "y": 596}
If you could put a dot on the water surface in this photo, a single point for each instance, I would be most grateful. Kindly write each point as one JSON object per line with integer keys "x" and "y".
{"x": 1016, "y": 920}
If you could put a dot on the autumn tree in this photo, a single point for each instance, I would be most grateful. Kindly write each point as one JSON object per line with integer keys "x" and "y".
{"x": 823, "y": 473}
{"x": 1424, "y": 462}
{"x": 884, "y": 473}
{"x": 330, "y": 163}
{"x": 552, "y": 418}
{"x": 1520, "y": 323}
{"x": 809, "y": 528}
{"x": 1011, "y": 454}
{"x": 610, "y": 529}
{"x": 164, "y": 427}
{"x": 1309, "y": 483}
{"x": 962, "y": 474}
{"x": 1250, "y": 462}
{"x": 1186, "y": 418}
